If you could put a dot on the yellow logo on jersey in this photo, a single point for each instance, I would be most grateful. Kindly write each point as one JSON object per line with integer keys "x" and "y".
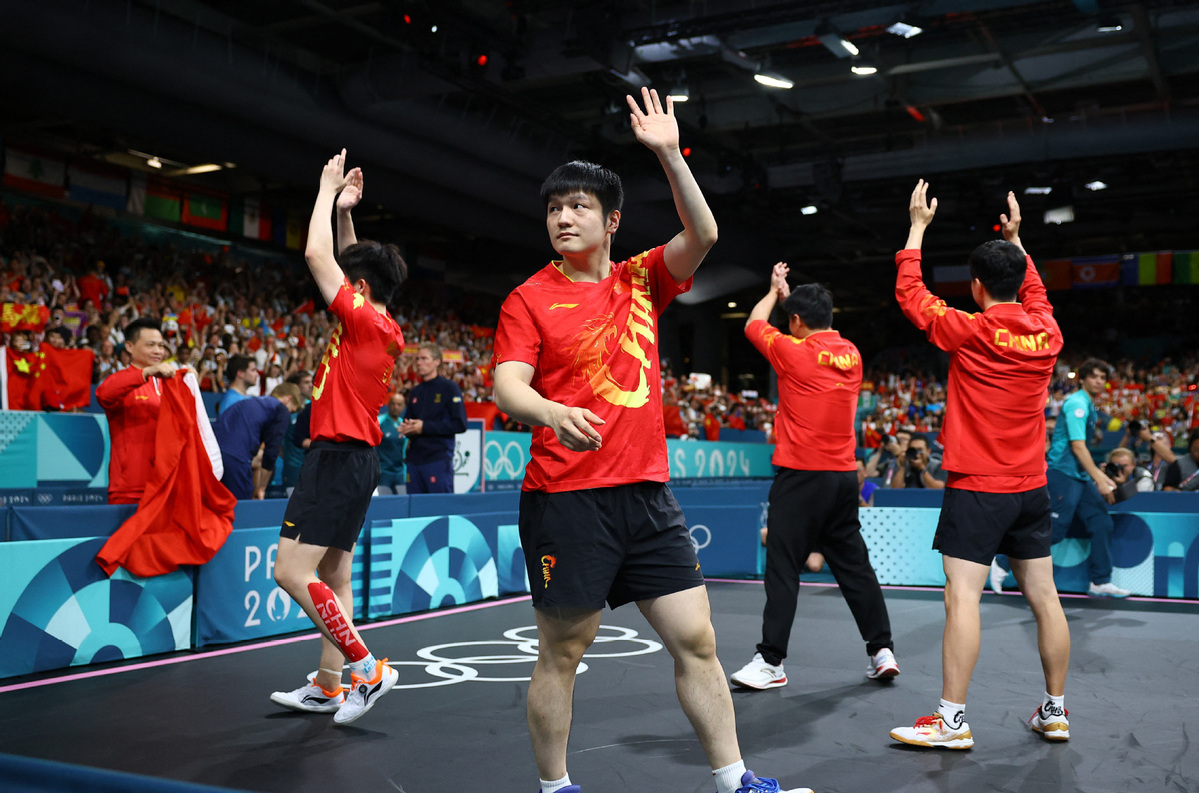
{"x": 1026, "y": 343}
{"x": 563, "y": 305}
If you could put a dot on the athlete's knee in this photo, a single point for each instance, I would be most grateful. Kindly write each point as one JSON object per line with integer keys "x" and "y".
{"x": 697, "y": 642}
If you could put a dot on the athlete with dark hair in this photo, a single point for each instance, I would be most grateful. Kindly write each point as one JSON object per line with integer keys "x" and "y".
{"x": 577, "y": 359}
{"x": 996, "y": 498}
{"x": 341, "y": 469}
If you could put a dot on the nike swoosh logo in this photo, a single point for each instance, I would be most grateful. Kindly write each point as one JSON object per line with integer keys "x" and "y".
{"x": 563, "y": 305}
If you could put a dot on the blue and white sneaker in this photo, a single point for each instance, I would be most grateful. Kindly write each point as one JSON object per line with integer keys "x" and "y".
{"x": 363, "y": 694}
{"x": 753, "y": 784}
{"x": 310, "y": 698}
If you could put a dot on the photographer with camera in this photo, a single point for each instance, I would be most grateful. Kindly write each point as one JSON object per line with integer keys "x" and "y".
{"x": 1130, "y": 478}
{"x": 918, "y": 468}
{"x": 1160, "y": 449}
{"x": 889, "y": 458}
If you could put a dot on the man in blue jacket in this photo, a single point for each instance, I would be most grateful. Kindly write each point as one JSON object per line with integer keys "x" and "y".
{"x": 250, "y": 424}
{"x": 434, "y": 416}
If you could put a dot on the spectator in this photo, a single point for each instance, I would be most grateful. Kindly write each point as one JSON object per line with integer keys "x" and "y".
{"x": 248, "y": 426}
{"x": 1183, "y": 473}
{"x": 918, "y": 468}
{"x": 1129, "y": 477}
{"x": 434, "y": 416}
{"x": 242, "y": 371}
{"x": 131, "y": 400}
{"x": 59, "y": 337}
{"x": 294, "y": 442}
{"x": 392, "y": 476}
{"x": 886, "y": 460}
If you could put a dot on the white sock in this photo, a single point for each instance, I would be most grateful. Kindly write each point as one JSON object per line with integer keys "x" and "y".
{"x": 1053, "y": 706}
{"x": 728, "y": 779}
{"x": 954, "y": 713}
{"x": 557, "y": 784}
{"x": 364, "y": 668}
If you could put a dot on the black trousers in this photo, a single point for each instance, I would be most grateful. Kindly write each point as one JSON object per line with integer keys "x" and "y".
{"x": 818, "y": 511}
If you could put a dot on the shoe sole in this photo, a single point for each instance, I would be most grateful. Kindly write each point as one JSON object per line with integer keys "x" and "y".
{"x": 884, "y": 674}
{"x": 957, "y": 743}
{"x": 756, "y": 687}
{"x": 387, "y": 683}
{"x": 290, "y": 705}
{"x": 1055, "y": 731}
{"x": 1107, "y": 595}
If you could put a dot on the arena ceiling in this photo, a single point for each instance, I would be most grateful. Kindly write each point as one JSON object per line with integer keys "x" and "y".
{"x": 992, "y": 95}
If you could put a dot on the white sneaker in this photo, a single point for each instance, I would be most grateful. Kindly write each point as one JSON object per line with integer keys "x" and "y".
{"x": 760, "y": 675}
{"x": 310, "y": 698}
{"x": 998, "y": 574}
{"x": 1108, "y": 590}
{"x": 933, "y": 732}
{"x": 363, "y": 693}
{"x": 1051, "y": 722}
{"x": 883, "y": 665}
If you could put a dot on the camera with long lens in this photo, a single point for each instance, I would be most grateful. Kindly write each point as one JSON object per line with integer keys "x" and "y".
{"x": 913, "y": 454}
{"x": 1112, "y": 470}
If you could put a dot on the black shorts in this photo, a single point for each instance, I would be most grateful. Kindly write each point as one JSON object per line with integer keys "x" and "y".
{"x": 334, "y": 490}
{"x": 617, "y": 544}
{"x": 975, "y": 526}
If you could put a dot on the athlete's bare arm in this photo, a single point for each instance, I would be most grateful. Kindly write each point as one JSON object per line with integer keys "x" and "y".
{"x": 515, "y": 396}
{"x": 659, "y": 131}
{"x": 319, "y": 252}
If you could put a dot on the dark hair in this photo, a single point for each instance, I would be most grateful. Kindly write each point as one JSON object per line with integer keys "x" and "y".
{"x": 1000, "y": 266}
{"x": 380, "y": 265}
{"x": 920, "y": 436}
{"x": 1090, "y": 365}
{"x": 813, "y": 304}
{"x": 62, "y": 332}
{"x": 237, "y": 364}
{"x": 1194, "y": 436}
{"x": 296, "y": 377}
{"x": 586, "y": 177}
{"x": 135, "y": 328}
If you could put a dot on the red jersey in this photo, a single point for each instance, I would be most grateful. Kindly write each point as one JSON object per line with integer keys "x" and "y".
{"x": 131, "y": 405}
{"x": 819, "y": 379}
{"x": 595, "y": 346}
{"x": 1000, "y": 363}
{"x": 354, "y": 376}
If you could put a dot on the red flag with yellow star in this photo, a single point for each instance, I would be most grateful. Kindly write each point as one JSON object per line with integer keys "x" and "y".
{"x": 19, "y": 373}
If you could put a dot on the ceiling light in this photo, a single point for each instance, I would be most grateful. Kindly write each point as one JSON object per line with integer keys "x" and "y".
{"x": 1110, "y": 25}
{"x": 1038, "y": 190}
{"x": 773, "y": 80}
{"x": 680, "y": 93}
{"x": 732, "y": 304}
{"x": 154, "y": 162}
{"x": 433, "y": 29}
{"x": 836, "y": 44}
{"x": 1059, "y": 215}
{"x": 809, "y": 210}
{"x": 207, "y": 167}
{"x": 849, "y": 47}
{"x": 863, "y": 66}
{"x": 905, "y": 30}
{"x": 1096, "y": 185}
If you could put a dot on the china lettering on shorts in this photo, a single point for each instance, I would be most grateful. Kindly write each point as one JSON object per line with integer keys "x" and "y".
{"x": 547, "y": 563}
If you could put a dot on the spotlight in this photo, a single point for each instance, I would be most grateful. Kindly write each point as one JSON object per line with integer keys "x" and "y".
{"x": 905, "y": 30}
{"x": 680, "y": 93}
{"x": 154, "y": 162}
{"x": 773, "y": 80}
{"x": 1110, "y": 25}
{"x": 863, "y": 67}
{"x": 836, "y": 43}
{"x": 732, "y": 304}
{"x": 1038, "y": 190}
{"x": 809, "y": 210}
{"x": 1096, "y": 185}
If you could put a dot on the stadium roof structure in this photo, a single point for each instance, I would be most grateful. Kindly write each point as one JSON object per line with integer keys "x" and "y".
{"x": 457, "y": 109}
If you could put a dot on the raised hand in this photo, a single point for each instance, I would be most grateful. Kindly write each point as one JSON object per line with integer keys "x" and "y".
{"x": 351, "y": 194}
{"x": 656, "y": 128}
{"x": 333, "y": 174}
{"x": 1011, "y": 225}
{"x": 920, "y": 210}
{"x": 778, "y": 280}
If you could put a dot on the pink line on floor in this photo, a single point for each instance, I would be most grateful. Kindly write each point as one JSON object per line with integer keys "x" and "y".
{"x": 256, "y": 646}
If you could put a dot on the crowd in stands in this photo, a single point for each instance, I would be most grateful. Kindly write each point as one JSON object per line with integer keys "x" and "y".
{"x": 215, "y": 306}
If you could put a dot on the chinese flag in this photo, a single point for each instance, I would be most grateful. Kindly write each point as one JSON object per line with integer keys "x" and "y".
{"x": 18, "y": 316}
{"x": 63, "y": 380}
{"x": 185, "y": 514}
{"x": 20, "y": 376}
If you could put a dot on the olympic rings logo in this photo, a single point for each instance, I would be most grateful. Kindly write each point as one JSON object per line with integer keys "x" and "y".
{"x": 508, "y": 462}
{"x": 699, "y": 527}
{"x": 449, "y": 664}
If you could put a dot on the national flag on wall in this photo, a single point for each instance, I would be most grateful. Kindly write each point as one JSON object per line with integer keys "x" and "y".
{"x": 953, "y": 280}
{"x": 164, "y": 201}
{"x": 34, "y": 172}
{"x": 1096, "y": 272}
{"x": 253, "y": 220}
{"x": 95, "y": 183}
{"x": 297, "y": 230}
{"x": 1186, "y": 267}
{"x": 19, "y": 316}
{"x": 1056, "y": 274}
{"x": 62, "y": 380}
{"x": 452, "y": 356}
{"x": 205, "y": 210}
{"x": 1147, "y": 269}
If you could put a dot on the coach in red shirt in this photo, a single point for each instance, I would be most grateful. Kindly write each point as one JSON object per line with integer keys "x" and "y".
{"x": 996, "y": 498}
{"x": 814, "y": 498}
